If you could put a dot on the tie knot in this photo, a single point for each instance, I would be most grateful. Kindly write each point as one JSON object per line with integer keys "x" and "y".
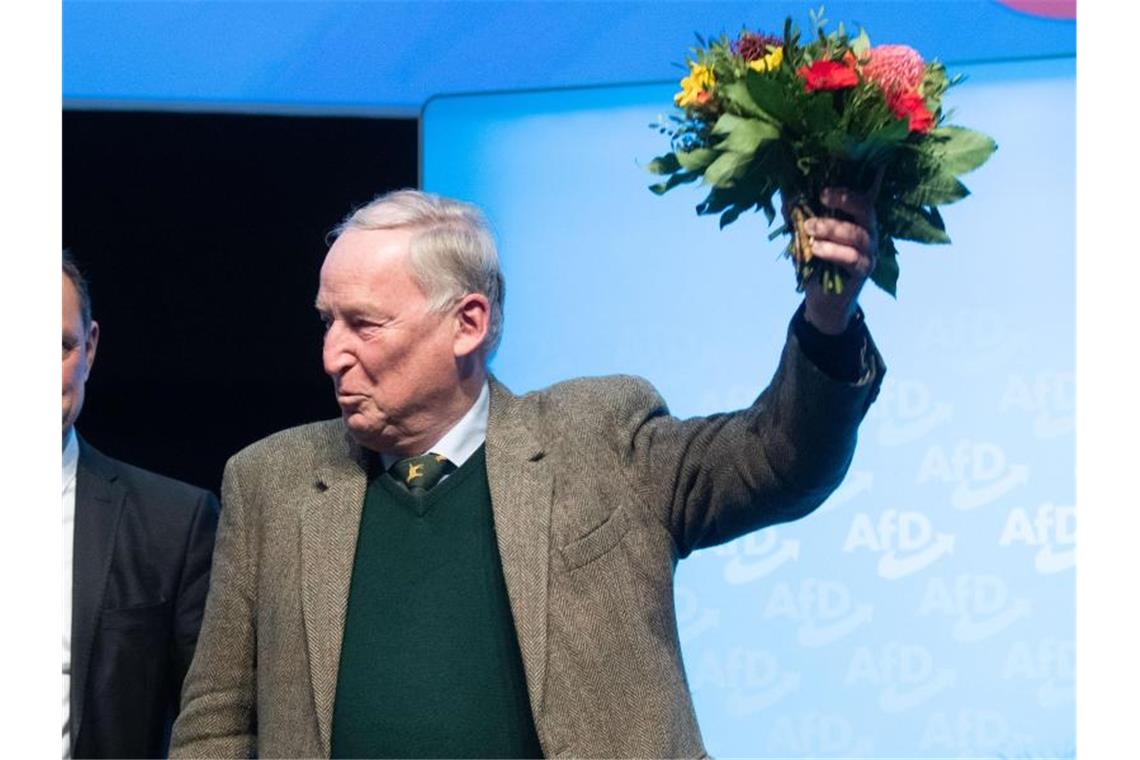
{"x": 420, "y": 474}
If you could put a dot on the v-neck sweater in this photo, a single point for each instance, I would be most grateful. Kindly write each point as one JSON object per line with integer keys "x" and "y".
{"x": 430, "y": 664}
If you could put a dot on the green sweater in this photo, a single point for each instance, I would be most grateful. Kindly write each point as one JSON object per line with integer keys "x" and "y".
{"x": 430, "y": 663}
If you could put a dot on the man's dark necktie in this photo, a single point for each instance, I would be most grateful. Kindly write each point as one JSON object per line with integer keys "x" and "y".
{"x": 420, "y": 474}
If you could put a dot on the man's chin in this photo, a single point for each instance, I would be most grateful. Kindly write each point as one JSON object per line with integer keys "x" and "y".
{"x": 364, "y": 431}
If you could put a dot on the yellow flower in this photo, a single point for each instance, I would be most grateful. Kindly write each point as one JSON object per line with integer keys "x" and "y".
{"x": 696, "y": 89}
{"x": 768, "y": 62}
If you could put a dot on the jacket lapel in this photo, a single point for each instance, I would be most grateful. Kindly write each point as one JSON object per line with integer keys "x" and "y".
{"x": 99, "y": 501}
{"x": 521, "y": 492}
{"x": 330, "y": 522}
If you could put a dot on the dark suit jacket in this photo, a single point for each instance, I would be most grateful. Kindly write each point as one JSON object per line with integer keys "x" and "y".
{"x": 140, "y": 571}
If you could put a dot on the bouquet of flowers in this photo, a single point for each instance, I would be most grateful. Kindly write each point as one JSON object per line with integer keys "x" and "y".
{"x": 762, "y": 114}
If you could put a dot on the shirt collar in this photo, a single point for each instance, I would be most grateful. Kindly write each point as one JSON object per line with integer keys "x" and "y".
{"x": 70, "y": 457}
{"x": 464, "y": 438}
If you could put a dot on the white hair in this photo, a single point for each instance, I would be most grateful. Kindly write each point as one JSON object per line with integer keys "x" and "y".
{"x": 452, "y": 252}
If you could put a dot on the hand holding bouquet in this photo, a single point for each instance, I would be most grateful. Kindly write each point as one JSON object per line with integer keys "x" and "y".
{"x": 763, "y": 114}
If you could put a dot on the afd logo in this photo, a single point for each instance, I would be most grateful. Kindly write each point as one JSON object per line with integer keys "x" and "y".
{"x": 979, "y": 471}
{"x": 751, "y": 680}
{"x": 906, "y": 541}
{"x": 970, "y": 732}
{"x": 693, "y": 619}
{"x": 1048, "y": 398}
{"x": 906, "y": 412}
{"x": 1049, "y": 665}
{"x": 904, "y": 674}
{"x": 757, "y": 555}
{"x": 815, "y": 734}
{"x": 1052, "y": 530}
{"x": 968, "y": 340}
{"x": 980, "y": 605}
{"x": 824, "y": 610}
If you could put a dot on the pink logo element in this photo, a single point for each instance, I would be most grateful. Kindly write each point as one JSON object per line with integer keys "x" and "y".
{"x": 1060, "y": 9}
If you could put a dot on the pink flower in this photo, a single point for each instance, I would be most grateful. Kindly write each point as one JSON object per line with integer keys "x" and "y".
{"x": 895, "y": 68}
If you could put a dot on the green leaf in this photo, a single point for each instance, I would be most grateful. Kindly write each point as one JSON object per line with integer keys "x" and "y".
{"x": 936, "y": 190}
{"x": 730, "y": 216}
{"x": 917, "y": 223}
{"x": 679, "y": 178}
{"x": 666, "y": 164}
{"x": 770, "y": 95}
{"x": 718, "y": 200}
{"x": 743, "y": 135}
{"x": 696, "y": 160}
{"x": 861, "y": 44}
{"x": 961, "y": 150}
{"x": 726, "y": 168}
{"x": 736, "y": 97}
{"x": 886, "y": 273}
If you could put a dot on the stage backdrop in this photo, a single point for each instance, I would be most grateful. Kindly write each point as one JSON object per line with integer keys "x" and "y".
{"x": 925, "y": 610}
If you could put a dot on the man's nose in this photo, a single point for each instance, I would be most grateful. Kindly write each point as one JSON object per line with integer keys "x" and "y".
{"x": 335, "y": 354}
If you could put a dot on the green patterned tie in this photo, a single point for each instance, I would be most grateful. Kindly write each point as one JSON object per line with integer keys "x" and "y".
{"x": 420, "y": 474}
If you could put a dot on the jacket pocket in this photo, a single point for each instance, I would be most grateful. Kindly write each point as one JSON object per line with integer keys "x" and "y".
{"x": 136, "y": 616}
{"x": 597, "y": 542}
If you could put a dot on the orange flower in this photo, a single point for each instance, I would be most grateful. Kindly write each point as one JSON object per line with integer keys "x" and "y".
{"x": 828, "y": 75}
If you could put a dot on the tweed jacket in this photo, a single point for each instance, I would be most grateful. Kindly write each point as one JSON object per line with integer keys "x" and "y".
{"x": 596, "y": 493}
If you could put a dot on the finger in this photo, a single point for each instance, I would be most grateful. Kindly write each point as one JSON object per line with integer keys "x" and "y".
{"x": 839, "y": 231}
{"x": 851, "y": 259}
{"x": 859, "y": 206}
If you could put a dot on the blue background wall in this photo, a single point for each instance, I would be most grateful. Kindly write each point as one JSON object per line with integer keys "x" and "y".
{"x": 392, "y": 56}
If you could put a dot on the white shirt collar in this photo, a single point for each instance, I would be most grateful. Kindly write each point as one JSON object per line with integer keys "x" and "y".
{"x": 464, "y": 438}
{"x": 70, "y": 458}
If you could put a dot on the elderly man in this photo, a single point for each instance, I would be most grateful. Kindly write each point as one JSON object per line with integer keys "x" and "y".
{"x": 136, "y": 559}
{"x": 450, "y": 570}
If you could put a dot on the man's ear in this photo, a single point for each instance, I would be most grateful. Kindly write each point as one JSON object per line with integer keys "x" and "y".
{"x": 92, "y": 343}
{"x": 472, "y": 320}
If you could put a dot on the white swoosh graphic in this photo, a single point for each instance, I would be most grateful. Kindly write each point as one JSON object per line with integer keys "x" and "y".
{"x": 738, "y": 571}
{"x": 892, "y": 568}
{"x": 965, "y": 498}
{"x": 811, "y": 635}
{"x": 892, "y": 701}
{"x": 892, "y": 434}
{"x": 1048, "y": 562}
{"x": 966, "y": 630}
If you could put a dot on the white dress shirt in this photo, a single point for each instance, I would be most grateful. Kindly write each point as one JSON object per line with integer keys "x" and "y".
{"x": 70, "y": 463}
{"x": 463, "y": 439}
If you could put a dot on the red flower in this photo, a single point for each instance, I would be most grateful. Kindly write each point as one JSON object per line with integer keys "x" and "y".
{"x": 911, "y": 105}
{"x": 828, "y": 75}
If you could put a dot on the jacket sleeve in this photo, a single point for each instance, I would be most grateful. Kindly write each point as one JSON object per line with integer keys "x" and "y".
{"x": 712, "y": 479}
{"x": 219, "y": 713}
{"x": 193, "y": 583}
